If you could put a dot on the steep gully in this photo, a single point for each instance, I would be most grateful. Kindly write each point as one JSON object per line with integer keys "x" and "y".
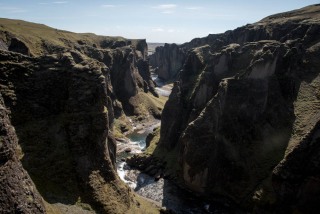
{"x": 244, "y": 112}
{"x": 162, "y": 192}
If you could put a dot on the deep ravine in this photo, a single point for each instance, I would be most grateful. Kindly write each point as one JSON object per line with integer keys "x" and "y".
{"x": 163, "y": 192}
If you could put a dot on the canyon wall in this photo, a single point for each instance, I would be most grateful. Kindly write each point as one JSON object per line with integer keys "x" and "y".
{"x": 61, "y": 94}
{"x": 244, "y": 113}
{"x": 17, "y": 191}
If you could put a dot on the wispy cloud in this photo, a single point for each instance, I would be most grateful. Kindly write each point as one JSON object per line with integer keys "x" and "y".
{"x": 194, "y": 8}
{"x": 108, "y": 5}
{"x": 158, "y": 29}
{"x": 60, "y": 2}
{"x": 165, "y": 6}
{"x": 12, "y": 10}
{"x": 166, "y": 30}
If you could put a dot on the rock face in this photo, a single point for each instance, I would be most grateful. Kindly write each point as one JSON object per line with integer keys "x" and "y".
{"x": 126, "y": 59}
{"x": 296, "y": 178}
{"x": 246, "y": 109}
{"x": 18, "y": 46}
{"x": 59, "y": 110}
{"x": 62, "y": 94}
{"x": 17, "y": 191}
{"x": 168, "y": 60}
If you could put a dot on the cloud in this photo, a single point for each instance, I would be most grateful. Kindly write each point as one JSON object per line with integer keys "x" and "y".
{"x": 165, "y": 6}
{"x": 108, "y": 5}
{"x": 157, "y": 29}
{"x": 194, "y": 8}
{"x": 166, "y": 30}
{"x": 60, "y": 2}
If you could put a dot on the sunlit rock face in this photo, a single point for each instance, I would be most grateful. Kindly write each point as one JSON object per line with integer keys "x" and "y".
{"x": 246, "y": 108}
{"x": 168, "y": 60}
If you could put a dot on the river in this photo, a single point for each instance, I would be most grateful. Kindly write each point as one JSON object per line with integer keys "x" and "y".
{"x": 163, "y": 192}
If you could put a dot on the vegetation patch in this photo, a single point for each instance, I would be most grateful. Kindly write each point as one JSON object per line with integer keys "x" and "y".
{"x": 145, "y": 104}
{"x": 47, "y": 157}
{"x": 168, "y": 157}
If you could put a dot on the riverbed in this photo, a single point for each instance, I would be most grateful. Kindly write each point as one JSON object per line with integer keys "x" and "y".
{"x": 163, "y": 192}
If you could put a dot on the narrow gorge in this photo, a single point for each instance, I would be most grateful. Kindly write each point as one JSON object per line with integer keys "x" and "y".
{"x": 227, "y": 123}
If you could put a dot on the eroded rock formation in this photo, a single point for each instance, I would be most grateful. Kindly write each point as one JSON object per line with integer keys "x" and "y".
{"x": 62, "y": 93}
{"x": 246, "y": 109}
{"x": 168, "y": 60}
{"x": 18, "y": 194}
{"x": 59, "y": 110}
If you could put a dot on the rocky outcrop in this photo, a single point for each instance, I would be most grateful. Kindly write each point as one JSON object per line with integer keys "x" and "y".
{"x": 18, "y": 194}
{"x": 172, "y": 117}
{"x": 62, "y": 94}
{"x": 60, "y": 111}
{"x": 167, "y": 61}
{"x": 18, "y": 46}
{"x": 296, "y": 178}
{"x": 245, "y": 102}
{"x": 126, "y": 59}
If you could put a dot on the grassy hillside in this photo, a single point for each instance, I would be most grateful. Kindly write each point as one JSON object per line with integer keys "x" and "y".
{"x": 41, "y": 38}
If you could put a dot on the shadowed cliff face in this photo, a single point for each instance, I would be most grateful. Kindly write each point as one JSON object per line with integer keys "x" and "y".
{"x": 60, "y": 112}
{"x": 243, "y": 102}
{"x": 17, "y": 191}
{"x": 62, "y": 94}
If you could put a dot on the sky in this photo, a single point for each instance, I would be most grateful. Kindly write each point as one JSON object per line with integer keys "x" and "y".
{"x": 175, "y": 21}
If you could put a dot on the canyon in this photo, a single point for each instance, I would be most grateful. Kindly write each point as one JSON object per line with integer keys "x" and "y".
{"x": 240, "y": 128}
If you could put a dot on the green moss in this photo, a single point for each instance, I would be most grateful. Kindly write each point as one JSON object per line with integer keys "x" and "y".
{"x": 146, "y": 104}
{"x": 120, "y": 124}
{"x": 167, "y": 156}
{"x": 47, "y": 156}
{"x": 141, "y": 205}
